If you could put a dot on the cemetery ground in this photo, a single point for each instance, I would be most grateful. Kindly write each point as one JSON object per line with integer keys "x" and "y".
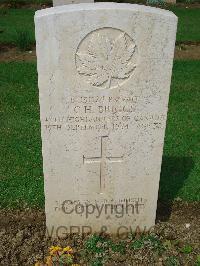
{"x": 175, "y": 238}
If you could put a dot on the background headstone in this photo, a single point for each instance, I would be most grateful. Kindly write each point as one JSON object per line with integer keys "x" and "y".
{"x": 170, "y": 1}
{"x": 67, "y": 2}
{"x": 104, "y": 79}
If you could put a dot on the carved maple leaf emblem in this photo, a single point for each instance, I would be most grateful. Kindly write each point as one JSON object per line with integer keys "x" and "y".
{"x": 106, "y": 59}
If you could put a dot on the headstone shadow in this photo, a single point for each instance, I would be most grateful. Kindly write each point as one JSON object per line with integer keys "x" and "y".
{"x": 174, "y": 172}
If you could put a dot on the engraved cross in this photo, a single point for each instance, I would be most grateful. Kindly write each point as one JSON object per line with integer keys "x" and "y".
{"x": 103, "y": 159}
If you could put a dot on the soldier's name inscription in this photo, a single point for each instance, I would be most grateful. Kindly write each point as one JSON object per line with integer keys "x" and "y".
{"x": 101, "y": 113}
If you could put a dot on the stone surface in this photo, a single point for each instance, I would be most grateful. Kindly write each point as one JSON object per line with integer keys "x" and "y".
{"x": 104, "y": 80}
{"x": 67, "y": 2}
{"x": 170, "y": 1}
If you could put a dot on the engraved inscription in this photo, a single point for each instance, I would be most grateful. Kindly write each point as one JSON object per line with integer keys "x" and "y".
{"x": 103, "y": 159}
{"x": 106, "y": 57}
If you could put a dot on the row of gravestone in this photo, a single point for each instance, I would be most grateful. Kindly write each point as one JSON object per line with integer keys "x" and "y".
{"x": 66, "y": 2}
{"x": 104, "y": 72}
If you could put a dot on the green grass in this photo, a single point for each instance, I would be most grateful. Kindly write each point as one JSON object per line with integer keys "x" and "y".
{"x": 12, "y": 20}
{"x": 188, "y": 23}
{"x": 21, "y": 178}
{"x": 180, "y": 175}
{"x": 20, "y": 143}
{"x": 15, "y": 20}
{"x": 26, "y": 2}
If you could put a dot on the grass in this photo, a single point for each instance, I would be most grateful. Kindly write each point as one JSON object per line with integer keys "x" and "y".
{"x": 16, "y": 20}
{"x": 188, "y": 23}
{"x": 21, "y": 162}
{"x": 180, "y": 175}
{"x": 21, "y": 178}
{"x": 23, "y": 40}
{"x": 13, "y": 20}
{"x": 26, "y": 2}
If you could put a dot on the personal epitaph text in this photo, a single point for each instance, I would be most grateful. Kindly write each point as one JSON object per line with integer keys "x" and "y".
{"x": 104, "y": 73}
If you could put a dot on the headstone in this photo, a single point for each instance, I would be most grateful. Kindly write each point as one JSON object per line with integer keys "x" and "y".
{"x": 170, "y": 1}
{"x": 104, "y": 79}
{"x": 160, "y": 2}
{"x": 67, "y": 2}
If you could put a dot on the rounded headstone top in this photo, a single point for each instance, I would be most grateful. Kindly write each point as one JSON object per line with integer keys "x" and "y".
{"x": 102, "y": 6}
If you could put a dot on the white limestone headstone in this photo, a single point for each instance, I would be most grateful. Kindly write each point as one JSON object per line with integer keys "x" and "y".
{"x": 67, "y": 2}
{"x": 159, "y": 2}
{"x": 170, "y": 1}
{"x": 104, "y": 79}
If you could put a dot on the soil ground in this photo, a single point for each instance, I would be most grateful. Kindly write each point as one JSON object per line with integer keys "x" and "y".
{"x": 23, "y": 241}
{"x": 9, "y": 53}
